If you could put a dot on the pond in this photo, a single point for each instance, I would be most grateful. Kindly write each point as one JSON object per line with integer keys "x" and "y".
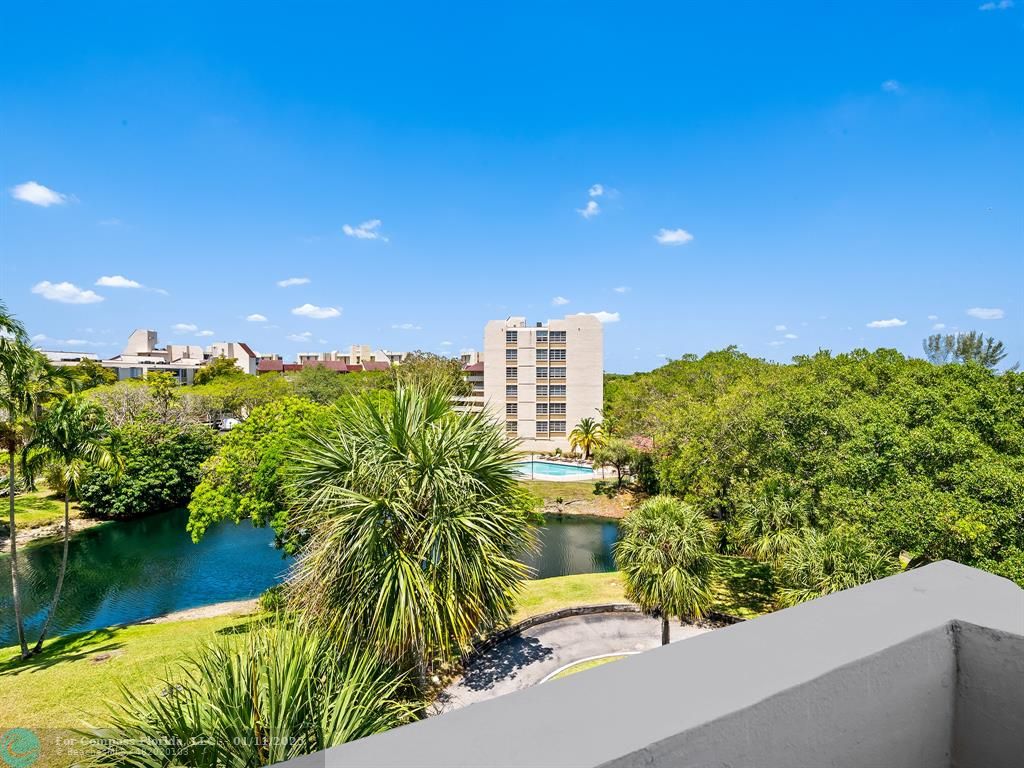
{"x": 127, "y": 571}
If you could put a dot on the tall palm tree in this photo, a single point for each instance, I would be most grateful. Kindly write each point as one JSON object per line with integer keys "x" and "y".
{"x": 72, "y": 438}
{"x": 667, "y": 557}
{"x": 25, "y": 381}
{"x": 830, "y": 561}
{"x": 586, "y": 436}
{"x": 415, "y": 520}
{"x": 769, "y": 527}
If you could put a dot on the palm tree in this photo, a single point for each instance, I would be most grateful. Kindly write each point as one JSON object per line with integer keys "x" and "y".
{"x": 71, "y": 438}
{"x": 770, "y": 527}
{"x": 415, "y": 520}
{"x": 26, "y": 381}
{"x": 667, "y": 557}
{"x": 586, "y": 436}
{"x": 257, "y": 698}
{"x": 826, "y": 562}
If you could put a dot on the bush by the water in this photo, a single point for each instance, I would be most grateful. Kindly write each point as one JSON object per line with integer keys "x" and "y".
{"x": 161, "y": 469}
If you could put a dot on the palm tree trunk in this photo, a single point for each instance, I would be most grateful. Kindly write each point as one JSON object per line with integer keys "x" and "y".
{"x": 664, "y": 630}
{"x": 15, "y": 592}
{"x": 60, "y": 577}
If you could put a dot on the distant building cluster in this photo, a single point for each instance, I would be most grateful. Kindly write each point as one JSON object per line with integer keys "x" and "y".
{"x": 541, "y": 381}
{"x": 143, "y": 354}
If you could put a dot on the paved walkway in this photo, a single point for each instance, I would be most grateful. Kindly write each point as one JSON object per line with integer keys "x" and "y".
{"x": 526, "y": 659}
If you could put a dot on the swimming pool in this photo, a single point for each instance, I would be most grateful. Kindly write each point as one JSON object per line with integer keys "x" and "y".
{"x": 553, "y": 469}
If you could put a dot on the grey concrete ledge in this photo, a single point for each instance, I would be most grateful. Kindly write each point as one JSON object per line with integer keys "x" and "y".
{"x": 925, "y": 668}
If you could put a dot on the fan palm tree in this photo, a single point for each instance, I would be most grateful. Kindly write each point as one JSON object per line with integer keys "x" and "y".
{"x": 415, "y": 520}
{"x": 586, "y": 436}
{"x": 826, "y": 562}
{"x": 72, "y": 438}
{"x": 667, "y": 558}
{"x": 768, "y": 528}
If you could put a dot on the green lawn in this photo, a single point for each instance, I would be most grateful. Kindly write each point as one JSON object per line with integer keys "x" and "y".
{"x": 583, "y": 666}
{"x": 546, "y": 595}
{"x": 573, "y": 490}
{"x": 69, "y": 683}
{"x": 35, "y": 510}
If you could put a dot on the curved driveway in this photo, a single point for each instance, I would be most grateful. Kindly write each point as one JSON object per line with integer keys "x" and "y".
{"x": 527, "y": 658}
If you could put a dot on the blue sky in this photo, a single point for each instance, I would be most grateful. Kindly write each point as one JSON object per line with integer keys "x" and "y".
{"x": 811, "y": 169}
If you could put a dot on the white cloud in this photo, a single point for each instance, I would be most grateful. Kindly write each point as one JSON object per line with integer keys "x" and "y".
{"x": 290, "y": 281}
{"x": 256, "y": 317}
{"x": 300, "y": 337}
{"x": 205, "y": 333}
{"x": 596, "y": 190}
{"x": 407, "y": 327}
{"x": 590, "y": 210}
{"x": 673, "y": 236}
{"x": 604, "y": 317}
{"x": 998, "y": 5}
{"x": 892, "y": 86}
{"x": 368, "y": 230}
{"x": 621, "y": 289}
{"x": 776, "y": 343}
{"x": 933, "y": 317}
{"x": 894, "y": 322}
{"x": 317, "y": 313}
{"x": 986, "y": 313}
{"x": 780, "y": 327}
{"x": 559, "y": 301}
{"x": 117, "y": 281}
{"x": 114, "y": 222}
{"x": 184, "y": 327}
{"x": 35, "y": 193}
{"x": 938, "y": 326}
{"x": 39, "y": 338}
{"x": 791, "y": 336}
{"x": 446, "y": 343}
{"x": 66, "y": 293}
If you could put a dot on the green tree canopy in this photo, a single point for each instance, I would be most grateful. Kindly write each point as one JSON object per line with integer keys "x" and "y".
{"x": 246, "y": 477}
{"x": 966, "y": 347}
{"x": 219, "y": 366}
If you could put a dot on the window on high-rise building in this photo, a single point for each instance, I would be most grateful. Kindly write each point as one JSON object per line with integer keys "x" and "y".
{"x": 511, "y": 409}
{"x": 542, "y": 355}
{"x": 557, "y": 426}
{"x": 511, "y": 373}
{"x": 557, "y": 337}
{"x": 542, "y": 409}
{"x": 557, "y": 408}
{"x": 556, "y": 373}
{"x": 511, "y": 354}
{"x": 556, "y": 354}
{"x": 542, "y": 373}
{"x": 542, "y": 337}
{"x": 511, "y": 426}
{"x": 511, "y": 337}
{"x": 542, "y": 427}
{"x": 542, "y": 390}
{"x": 511, "y": 390}
{"x": 557, "y": 390}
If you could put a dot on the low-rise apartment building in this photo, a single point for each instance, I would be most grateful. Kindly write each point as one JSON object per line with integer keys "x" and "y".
{"x": 542, "y": 380}
{"x": 142, "y": 354}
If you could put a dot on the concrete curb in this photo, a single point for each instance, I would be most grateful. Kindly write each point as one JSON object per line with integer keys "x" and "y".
{"x": 581, "y": 610}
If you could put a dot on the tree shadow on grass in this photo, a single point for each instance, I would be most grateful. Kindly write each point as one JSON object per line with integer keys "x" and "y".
{"x": 746, "y": 588}
{"x": 59, "y": 650}
{"x": 504, "y": 661}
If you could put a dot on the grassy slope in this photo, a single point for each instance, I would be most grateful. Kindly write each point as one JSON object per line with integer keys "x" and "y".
{"x": 34, "y": 510}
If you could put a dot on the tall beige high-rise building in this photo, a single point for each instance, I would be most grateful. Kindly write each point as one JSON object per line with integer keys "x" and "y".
{"x": 541, "y": 380}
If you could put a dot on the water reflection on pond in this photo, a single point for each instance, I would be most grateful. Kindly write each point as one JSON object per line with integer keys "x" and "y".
{"x": 128, "y": 571}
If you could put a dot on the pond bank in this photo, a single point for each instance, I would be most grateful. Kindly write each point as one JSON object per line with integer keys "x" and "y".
{"x": 52, "y": 531}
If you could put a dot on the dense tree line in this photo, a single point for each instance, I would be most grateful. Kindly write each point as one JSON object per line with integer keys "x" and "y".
{"x": 923, "y": 460}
